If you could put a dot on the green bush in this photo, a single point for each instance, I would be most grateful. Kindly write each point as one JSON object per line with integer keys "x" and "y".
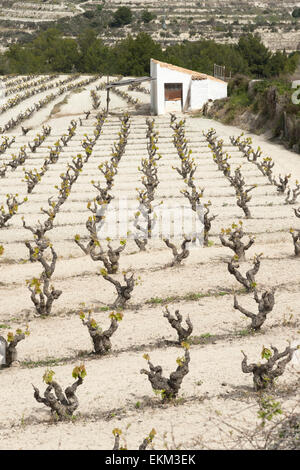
{"x": 240, "y": 100}
{"x": 147, "y": 16}
{"x": 121, "y": 17}
{"x": 282, "y": 86}
{"x": 296, "y": 13}
{"x": 238, "y": 84}
{"x": 89, "y": 14}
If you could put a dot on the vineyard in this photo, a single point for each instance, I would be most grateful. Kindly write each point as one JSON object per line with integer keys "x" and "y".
{"x": 143, "y": 341}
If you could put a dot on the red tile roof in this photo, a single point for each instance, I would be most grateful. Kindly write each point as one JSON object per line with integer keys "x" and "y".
{"x": 195, "y": 75}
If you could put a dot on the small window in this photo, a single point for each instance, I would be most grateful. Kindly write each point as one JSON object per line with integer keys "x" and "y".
{"x": 173, "y": 91}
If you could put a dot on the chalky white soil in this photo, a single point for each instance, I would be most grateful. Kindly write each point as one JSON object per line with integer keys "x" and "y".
{"x": 215, "y": 393}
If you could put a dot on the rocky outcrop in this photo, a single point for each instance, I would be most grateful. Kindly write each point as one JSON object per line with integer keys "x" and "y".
{"x": 270, "y": 113}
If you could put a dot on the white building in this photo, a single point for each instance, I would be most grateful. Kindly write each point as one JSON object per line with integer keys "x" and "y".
{"x": 178, "y": 89}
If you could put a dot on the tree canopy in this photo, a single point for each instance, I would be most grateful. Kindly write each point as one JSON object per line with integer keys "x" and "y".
{"x": 255, "y": 53}
{"x": 51, "y": 52}
{"x": 121, "y": 17}
{"x": 296, "y": 13}
{"x": 147, "y": 16}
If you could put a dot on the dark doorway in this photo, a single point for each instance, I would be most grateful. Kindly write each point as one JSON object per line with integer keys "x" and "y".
{"x": 173, "y": 91}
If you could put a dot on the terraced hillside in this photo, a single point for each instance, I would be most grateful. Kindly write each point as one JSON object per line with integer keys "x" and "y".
{"x": 215, "y": 394}
{"x": 223, "y": 20}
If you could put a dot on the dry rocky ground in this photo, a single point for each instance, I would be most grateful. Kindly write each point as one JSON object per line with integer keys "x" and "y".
{"x": 215, "y": 394}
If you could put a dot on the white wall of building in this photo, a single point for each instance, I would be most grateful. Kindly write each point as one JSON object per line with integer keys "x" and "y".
{"x": 199, "y": 93}
{"x": 217, "y": 89}
{"x": 173, "y": 106}
{"x": 195, "y": 93}
{"x": 164, "y": 75}
{"x": 153, "y": 87}
{"x": 203, "y": 90}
